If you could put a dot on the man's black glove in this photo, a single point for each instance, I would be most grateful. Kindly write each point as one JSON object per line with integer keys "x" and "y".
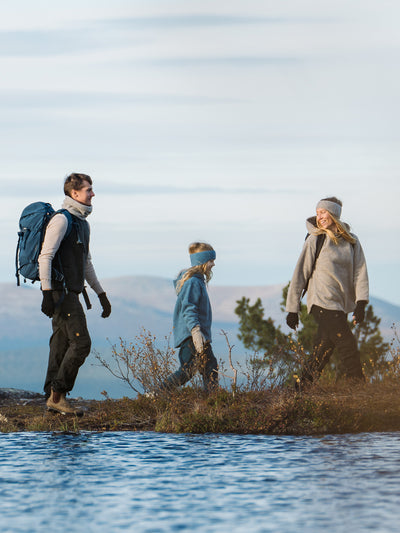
{"x": 48, "y": 305}
{"x": 292, "y": 320}
{"x": 359, "y": 312}
{"x": 105, "y": 304}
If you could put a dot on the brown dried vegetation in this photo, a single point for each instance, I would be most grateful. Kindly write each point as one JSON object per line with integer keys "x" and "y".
{"x": 326, "y": 407}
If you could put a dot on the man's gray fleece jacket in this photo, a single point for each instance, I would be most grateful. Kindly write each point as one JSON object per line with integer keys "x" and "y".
{"x": 340, "y": 278}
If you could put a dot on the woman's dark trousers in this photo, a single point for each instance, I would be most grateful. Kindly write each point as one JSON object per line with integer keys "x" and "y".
{"x": 333, "y": 332}
{"x": 190, "y": 362}
{"x": 69, "y": 344}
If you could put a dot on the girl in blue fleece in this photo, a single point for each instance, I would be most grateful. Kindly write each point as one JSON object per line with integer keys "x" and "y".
{"x": 192, "y": 321}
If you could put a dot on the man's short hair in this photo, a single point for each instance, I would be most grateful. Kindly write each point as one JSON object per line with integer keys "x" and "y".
{"x": 75, "y": 182}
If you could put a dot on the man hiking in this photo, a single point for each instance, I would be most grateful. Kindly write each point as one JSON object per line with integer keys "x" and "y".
{"x": 64, "y": 265}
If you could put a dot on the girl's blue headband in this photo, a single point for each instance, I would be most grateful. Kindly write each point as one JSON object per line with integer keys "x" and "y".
{"x": 200, "y": 258}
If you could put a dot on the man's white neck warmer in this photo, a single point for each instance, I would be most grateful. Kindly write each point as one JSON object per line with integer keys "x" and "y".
{"x": 76, "y": 208}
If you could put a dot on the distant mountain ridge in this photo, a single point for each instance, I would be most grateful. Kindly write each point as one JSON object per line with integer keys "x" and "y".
{"x": 137, "y": 302}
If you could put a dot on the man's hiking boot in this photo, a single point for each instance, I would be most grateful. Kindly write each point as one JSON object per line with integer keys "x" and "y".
{"x": 58, "y": 402}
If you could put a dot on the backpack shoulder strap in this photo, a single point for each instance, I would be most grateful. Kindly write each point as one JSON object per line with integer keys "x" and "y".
{"x": 68, "y": 216}
{"x": 320, "y": 242}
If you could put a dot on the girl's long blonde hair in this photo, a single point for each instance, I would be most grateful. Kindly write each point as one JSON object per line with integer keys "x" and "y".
{"x": 341, "y": 229}
{"x": 195, "y": 247}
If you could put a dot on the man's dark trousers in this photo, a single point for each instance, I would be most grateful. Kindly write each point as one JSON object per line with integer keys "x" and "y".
{"x": 69, "y": 344}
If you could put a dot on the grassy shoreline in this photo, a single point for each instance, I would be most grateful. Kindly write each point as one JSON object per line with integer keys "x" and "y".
{"x": 330, "y": 409}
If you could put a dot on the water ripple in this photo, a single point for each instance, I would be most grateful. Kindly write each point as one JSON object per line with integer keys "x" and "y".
{"x": 149, "y": 482}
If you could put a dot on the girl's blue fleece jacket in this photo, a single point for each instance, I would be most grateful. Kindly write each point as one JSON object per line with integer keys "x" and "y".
{"x": 192, "y": 308}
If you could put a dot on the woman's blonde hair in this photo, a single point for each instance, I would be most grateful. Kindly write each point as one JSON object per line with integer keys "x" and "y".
{"x": 194, "y": 248}
{"x": 341, "y": 229}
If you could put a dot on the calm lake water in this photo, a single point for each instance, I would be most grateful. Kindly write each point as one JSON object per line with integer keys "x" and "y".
{"x": 149, "y": 482}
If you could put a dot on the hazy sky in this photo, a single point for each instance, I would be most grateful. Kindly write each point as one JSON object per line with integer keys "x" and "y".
{"x": 222, "y": 121}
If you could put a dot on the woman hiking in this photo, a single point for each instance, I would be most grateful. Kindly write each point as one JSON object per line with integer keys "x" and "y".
{"x": 337, "y": 283}
{"x": 192, "y": 321}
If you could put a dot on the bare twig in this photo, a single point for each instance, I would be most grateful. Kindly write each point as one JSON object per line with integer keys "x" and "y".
{"x": 230, "y": 347}
{"x": 141, "y": 364}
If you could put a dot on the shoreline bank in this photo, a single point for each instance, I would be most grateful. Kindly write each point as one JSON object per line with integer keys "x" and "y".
{"x": 330, "y": 409}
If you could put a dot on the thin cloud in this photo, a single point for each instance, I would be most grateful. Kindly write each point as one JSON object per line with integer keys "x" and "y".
{"x": 170, "y": 190}
{"x": 201, "y": 20}
{"x": 33, "y": 43}
{"x": 41, "y": 187}
{"x": 66, "y": 99}
{"x": 91, "y": 36}
{"x": 228, "y": 61}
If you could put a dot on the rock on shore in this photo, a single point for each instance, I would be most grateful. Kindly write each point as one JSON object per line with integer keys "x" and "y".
{"x": 17, "y": 395}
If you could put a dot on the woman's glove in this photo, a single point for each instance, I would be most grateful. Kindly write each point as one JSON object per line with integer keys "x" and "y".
{"x": 48, "y": 305}
{"x": 105, "y": 304}
{"x": 359, "y": 312}
{"x": 198, "y": 338}
{"x": 292, "y": 320}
